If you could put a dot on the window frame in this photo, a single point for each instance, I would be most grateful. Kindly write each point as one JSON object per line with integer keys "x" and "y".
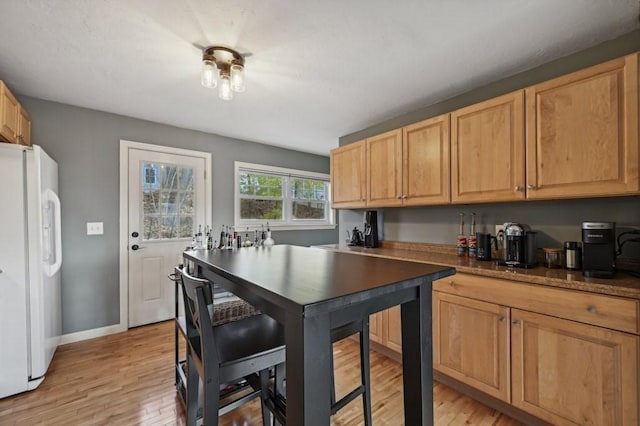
{"x": 289, "y": 223}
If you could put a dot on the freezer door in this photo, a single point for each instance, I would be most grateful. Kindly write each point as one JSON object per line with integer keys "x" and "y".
{"x": 45, "y": 261}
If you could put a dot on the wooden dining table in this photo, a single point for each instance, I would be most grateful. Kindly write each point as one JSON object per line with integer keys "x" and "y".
{"x": 311, "y": 291}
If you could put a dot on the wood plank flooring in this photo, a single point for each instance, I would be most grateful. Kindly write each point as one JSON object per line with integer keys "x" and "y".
{"x": 127, "y": 379}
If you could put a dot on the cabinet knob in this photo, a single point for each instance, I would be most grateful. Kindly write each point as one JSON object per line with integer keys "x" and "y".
{"x": 515, "y": 322}
{"x": 404, "y": 196}
{"x": 592, "y": 309}
{"x": 501, "y": 318}
{"x": 532, "y": 187}
{"x": 517, "y": 188}
{"x": 452, "y": 283}
{"x": 399, "y": 197}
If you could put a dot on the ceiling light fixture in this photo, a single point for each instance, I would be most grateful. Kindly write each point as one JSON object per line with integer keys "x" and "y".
{"x": 224, "y": 67}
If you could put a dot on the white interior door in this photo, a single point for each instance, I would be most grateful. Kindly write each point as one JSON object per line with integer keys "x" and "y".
{"x": 166, "y": 206}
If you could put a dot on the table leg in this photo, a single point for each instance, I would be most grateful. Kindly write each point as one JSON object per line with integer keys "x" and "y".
{"x": 308, "y": 342}
{"x": 417, "y": 359}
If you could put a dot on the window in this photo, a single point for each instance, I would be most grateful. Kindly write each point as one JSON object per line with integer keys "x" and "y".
{"x": 286, "y": 198}
{"x": 167, "y": 201}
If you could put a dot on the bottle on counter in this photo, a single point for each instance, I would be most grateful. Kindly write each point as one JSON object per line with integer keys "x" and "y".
{"x": 472, "y": 241}
{"x": 199, "y": 237}
{"x": 222, "y": 238}
{"x": 461, "y": 242}
{"x": 210, "y": 244}
{"x": 268, "y": 241}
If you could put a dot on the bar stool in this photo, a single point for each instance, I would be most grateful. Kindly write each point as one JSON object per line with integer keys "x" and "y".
{"x": 244, "y": 349}
{"x": 277, "y": 401}
{"x": 364, "y": 389}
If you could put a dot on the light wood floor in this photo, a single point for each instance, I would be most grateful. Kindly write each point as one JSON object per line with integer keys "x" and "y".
{"x": 127, "y": 379}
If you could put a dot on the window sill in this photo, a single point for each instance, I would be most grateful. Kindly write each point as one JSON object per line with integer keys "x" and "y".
{"x": 252, "y": 228}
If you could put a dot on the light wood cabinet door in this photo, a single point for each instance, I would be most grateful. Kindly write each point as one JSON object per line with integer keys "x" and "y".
{"x": 24, "y": 128}
{"x": 375, "y": 327}
{"x": 487, "y": 151}
{"x": 392, "y": 331}
{"x": 348, "y": 176}
{"x": 569, "y": 373}
{"x": 582, "y": 133}
{"x": 426, "y": 162}
{"x": 384, "y": 169}
{"x": 471, "y": 343}
{"x": 9, "y": 115}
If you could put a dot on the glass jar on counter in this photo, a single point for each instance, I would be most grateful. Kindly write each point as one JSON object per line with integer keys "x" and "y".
{"x": 553, "y": 257}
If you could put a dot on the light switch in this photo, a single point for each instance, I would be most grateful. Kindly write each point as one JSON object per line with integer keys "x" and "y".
{"x": 94, "y": 228}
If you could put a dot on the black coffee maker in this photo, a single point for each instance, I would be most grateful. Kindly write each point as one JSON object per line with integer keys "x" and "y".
{"x": 598, "y": 249}
{"x": 520, "y": 246}
{"x": 371, "y": 228}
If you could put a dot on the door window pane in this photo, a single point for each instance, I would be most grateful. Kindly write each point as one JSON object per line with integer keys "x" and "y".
{"x": 167, "y": 201}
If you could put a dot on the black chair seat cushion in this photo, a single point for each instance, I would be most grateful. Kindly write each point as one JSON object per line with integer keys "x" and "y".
{"x": 248, "y": 337}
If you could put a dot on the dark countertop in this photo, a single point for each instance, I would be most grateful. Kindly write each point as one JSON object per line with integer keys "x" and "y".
{"x": 622, "y": 285}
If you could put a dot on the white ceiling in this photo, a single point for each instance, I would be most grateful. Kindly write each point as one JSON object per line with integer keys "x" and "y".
{"x": 317, "y": 69}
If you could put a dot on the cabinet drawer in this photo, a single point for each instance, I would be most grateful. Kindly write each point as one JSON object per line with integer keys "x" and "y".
{"x": 606, "y": 311}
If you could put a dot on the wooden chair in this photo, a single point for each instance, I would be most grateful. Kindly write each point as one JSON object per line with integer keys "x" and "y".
{"x": 244, "y": 349}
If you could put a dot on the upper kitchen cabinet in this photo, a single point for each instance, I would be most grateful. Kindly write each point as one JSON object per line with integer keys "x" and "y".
{"x": 582, "y": 132}
{"x": 9, "y": 115}
{"x": 24, "y": 127}
{"x": 348, "y": 176}
{"x": 426, "y": 162}
{"x": 15, "y": 124}
{"x": 487, "y": 151}
{"x": 384, "y": 169}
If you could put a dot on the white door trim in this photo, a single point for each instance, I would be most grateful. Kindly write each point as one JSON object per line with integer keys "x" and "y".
{"x": 125, "y": 145}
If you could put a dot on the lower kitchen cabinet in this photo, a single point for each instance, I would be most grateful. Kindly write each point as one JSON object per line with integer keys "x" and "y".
{"x": 386, "y": 330}
{"x": 392, "y": 329}
{"x": 572, "y": 360}
{"x": 471, "y": 343}
{"x": 375, "y": 327}
{"x": 569, "y": 373}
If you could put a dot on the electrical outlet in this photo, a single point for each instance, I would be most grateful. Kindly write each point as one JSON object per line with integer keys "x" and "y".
{"x": 500, "y": 234}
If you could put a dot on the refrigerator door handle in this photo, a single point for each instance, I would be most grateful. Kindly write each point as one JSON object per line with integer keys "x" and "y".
{"x": 53, "y": 268}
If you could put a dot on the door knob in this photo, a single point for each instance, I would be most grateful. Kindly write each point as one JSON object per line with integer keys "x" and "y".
{"x": 136, "y": 247}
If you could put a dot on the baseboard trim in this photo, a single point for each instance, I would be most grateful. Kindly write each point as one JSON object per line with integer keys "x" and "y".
{"x": 91, "y": 334}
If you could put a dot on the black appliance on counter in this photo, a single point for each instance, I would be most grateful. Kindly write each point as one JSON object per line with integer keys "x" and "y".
{"x": 519, "y": 246}
{"x": 371, "y": 228}
{"x": 484, "y": 245}
{"x": 599, "y": 249}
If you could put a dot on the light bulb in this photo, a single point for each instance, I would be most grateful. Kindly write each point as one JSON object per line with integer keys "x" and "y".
{"x": 209, "y": 74}
{"x": 225, "y": 92}
{"x": 237, "y": 78}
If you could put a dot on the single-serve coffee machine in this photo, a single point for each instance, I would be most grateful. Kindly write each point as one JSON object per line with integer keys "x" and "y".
{"x": 598, "y": 249}
{"x": 519, "y": 246}
{"x": 371, "y": 228}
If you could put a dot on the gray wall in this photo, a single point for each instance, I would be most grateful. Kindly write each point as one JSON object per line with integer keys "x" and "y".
{"x": 556, "y": 221}
{"x": 85, "y": 143}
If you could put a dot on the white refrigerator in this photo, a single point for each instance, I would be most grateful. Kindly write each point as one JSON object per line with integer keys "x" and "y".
{"x": 30, "y": 260}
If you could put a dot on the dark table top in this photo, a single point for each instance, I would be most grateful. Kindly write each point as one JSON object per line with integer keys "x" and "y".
{"x": 302, "y": 276}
